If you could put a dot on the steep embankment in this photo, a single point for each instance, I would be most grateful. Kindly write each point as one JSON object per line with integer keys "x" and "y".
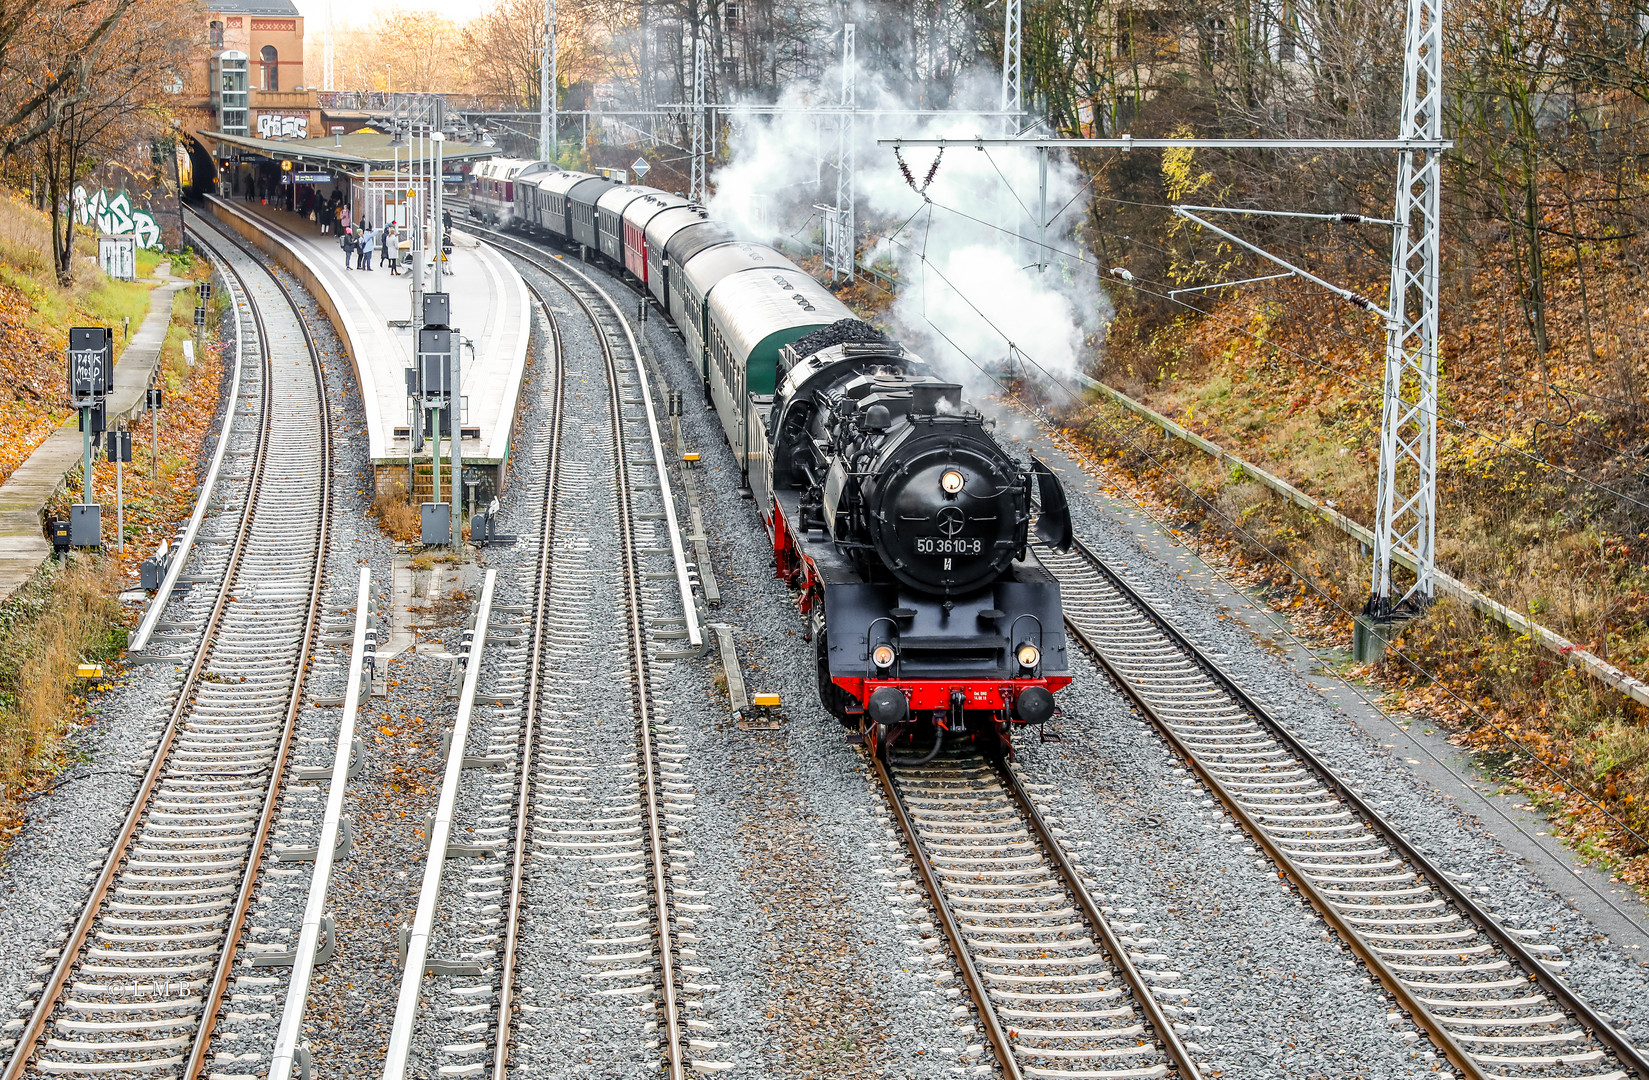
{"x": 1543, "y": 500}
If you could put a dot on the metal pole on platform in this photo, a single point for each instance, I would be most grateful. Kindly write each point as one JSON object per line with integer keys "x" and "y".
{"x": 416, "y": 216}
{"x": 457, "y": 445}
{"x": 440, "y": 230}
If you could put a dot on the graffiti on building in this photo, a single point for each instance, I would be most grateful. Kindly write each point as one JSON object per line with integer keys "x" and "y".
{"x": 276, "y": 126}
{"x": 112, "y": 213}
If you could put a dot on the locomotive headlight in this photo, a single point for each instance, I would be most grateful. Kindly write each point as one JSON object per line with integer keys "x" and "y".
{"x": 883, "y": 656}
{"x": 1029, "y": 656}
{"x": 951, "y": 482}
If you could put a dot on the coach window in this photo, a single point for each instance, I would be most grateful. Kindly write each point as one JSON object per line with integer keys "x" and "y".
{"x": 271, "y": 68}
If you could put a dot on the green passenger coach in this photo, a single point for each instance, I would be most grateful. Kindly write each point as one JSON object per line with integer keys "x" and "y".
{"x": 753, "y": 314}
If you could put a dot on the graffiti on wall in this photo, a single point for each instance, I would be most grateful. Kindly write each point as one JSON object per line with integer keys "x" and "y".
{"x": 276, "y": 126}
{"x": 112, "y": 213}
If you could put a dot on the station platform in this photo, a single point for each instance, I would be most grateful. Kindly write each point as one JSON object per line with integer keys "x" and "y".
{"x": 371, "y": 312}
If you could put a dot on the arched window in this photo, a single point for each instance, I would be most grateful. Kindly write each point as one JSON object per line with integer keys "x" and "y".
{"x": 271, "y": 68}
{"x": 215, "y": 33}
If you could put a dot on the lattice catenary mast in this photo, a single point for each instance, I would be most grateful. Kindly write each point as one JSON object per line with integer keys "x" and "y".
{"x": 547, "y": 77}
{"x": 1406, "y": 508}
{"x": 1012, "y": 89}
{"x": 697, "y": 143}
{"x": 841, "y": 247}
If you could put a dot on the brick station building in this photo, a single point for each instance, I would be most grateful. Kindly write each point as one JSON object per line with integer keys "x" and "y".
{"x": 255, "y": 76}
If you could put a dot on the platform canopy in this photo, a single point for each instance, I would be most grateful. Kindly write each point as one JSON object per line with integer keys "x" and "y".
{"x": 362, "y": 150}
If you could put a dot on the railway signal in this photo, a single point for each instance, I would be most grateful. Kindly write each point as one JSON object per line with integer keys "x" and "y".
{"x": 91, "y": 376}
{"x": 152, "y": 401}
{"x": 119, "y": 451}
{"x": 434, "y": 382}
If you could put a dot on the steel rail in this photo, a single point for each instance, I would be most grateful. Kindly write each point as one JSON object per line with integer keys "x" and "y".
{"x": 1176, "y": 1049}
{"x": 529, "y": 715}
{"x": 674, "y": 1056}
{"x": 684, "y": 582}
{"x": 1538, "y": 972}
{"x": 180, "y": 554}
{"x": 1179, "y": 1055}
{"x": 994, "y": 1031}
{"x": 213, "y": 998}
{"x": 303, "y": 963}
{"x": 638, "y": 642}
{"x": 440, "y": 833}
{"x": 672, "y": 1020}
{"x": 53, "y": 986}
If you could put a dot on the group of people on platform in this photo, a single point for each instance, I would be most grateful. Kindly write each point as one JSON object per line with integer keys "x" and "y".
{"x": 359, "y": 243}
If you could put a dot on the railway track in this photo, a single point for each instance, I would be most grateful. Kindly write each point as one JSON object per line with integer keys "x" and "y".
{"x": 1490, "y": 998}
{"x": 138, "y": 982}
{"x": 591, "y": 804}
{"x": 1059, "y": 992}
{"x": 1057, "y": 989}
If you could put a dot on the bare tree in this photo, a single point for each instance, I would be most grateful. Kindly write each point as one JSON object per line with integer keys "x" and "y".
{"x": 110, "y": 106}
{"x": 48, "y": 53}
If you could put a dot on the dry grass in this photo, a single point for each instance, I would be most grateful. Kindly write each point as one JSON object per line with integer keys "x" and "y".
{"x": 65, "y": 616}
{"x": 25, "y": 236}
{"x": 396, "y": 514}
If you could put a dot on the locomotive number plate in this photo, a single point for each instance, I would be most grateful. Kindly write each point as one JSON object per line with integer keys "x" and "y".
{"x": 949, "y": 545}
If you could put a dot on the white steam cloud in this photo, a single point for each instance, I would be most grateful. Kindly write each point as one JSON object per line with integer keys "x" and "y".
{"x": 973, "y": 295}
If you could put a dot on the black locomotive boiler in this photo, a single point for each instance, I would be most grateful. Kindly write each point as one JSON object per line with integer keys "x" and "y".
{"x": 906, "y": 525}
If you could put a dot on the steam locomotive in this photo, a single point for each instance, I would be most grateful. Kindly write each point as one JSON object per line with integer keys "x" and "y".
{"x": 901, "y": 520}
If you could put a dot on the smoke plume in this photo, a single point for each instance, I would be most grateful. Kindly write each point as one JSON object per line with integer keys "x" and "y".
{"x": 972, "y": 296}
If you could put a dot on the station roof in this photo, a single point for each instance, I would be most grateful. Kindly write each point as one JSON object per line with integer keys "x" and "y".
{"x": 361, "y": 150}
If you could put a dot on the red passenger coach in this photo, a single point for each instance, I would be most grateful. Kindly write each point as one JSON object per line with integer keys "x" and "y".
{"x": 637, "y": 216}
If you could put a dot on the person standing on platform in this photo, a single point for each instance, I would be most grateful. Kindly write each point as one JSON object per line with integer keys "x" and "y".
{"x": 346, "y": 240}
{"x": 386, "y": 240}
{"x": 365, "y": 260}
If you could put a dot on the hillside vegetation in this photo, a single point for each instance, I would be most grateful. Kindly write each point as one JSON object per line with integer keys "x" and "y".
{"x": 1543, "y": 493}
{"x": 35, "y": 314}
